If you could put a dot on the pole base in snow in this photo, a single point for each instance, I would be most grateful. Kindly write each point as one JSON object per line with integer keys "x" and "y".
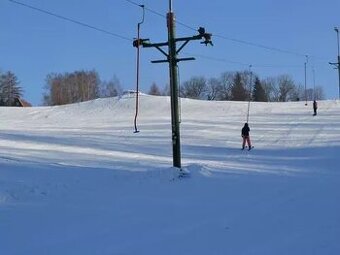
{"x": 183, "y": 173}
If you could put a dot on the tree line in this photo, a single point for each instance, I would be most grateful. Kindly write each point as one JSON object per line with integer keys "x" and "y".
{"x": 230, "y": 86}
{"x": 79, "y": 86}
{"x": 244, "y": 86}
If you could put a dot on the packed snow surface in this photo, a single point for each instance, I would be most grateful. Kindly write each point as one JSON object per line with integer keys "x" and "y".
{"x": 76, "y": 179}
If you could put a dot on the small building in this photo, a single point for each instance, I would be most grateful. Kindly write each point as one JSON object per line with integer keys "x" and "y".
{"x": 130, "y": 92}
{"x": 18, "y": 102}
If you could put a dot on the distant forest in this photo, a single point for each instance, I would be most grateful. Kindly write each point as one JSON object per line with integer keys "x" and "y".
{"x": 79, "y": 86}
{"x": 245, "y": 85}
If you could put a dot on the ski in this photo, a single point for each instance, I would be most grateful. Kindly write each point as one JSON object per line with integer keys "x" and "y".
{"x": 247, "y": 148}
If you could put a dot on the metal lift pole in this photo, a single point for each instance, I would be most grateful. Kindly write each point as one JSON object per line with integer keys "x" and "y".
{"x": 172, "y": 55}
{"x": 137, "y": 78}
{"x": 172, "y": 58}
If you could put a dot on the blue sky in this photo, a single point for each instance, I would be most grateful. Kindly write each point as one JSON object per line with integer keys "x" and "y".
{"x": 34, "y": 44}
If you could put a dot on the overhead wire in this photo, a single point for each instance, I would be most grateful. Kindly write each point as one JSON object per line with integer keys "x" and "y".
{"x": 229, "y": 38}
{"x": 178, "y": 22}
{"x": 224, "y": 60}
{"x": 265, "y": 47}
{"x": 250, "y": 92}
{"x": 216, "y": 59}
{"x": 260, "y": 46}
{"x": 158, "y": 14}
{"x": 244, "y": 42}
{"x": 146, "y": 8}
{"x": 71, "y": 20}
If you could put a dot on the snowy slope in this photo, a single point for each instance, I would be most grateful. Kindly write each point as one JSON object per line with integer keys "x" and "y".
{"x": 75, "y": 179}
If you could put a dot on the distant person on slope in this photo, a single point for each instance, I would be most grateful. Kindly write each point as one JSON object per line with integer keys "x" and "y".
{"x": 315, "y": 107}
{"x": 245, "y": 136}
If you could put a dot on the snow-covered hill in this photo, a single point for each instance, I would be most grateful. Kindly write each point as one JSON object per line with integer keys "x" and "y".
{"x": 75, "y": 179}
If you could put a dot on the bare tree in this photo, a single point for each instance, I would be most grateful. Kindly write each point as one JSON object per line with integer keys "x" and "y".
{"x": 226, "y": 84}
{"x": 195, "y": 88}
{"x": 70, "y": 88}
{"x": 111, "y": 88}
{"x": 319, "y": 93}
{"x": 271, "y": 89}
{"x": 248, "y": 78}
{"x": 154, "y": 90}
{"x": 286, "y": 88}
{"x": 214, "y": 87}
{"x": 280, "y": 89}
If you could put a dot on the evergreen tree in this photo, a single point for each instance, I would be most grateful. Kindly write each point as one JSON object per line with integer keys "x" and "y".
{"x": 238, "y": 90}
{"x": 9, "y": 89}
{"x": 259, "y": 94}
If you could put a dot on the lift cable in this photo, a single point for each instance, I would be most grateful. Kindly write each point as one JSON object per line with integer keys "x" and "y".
{"x": 71, "y": 20}
{"x": 250, "y": 91}
{"x": 229, "y": 38}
